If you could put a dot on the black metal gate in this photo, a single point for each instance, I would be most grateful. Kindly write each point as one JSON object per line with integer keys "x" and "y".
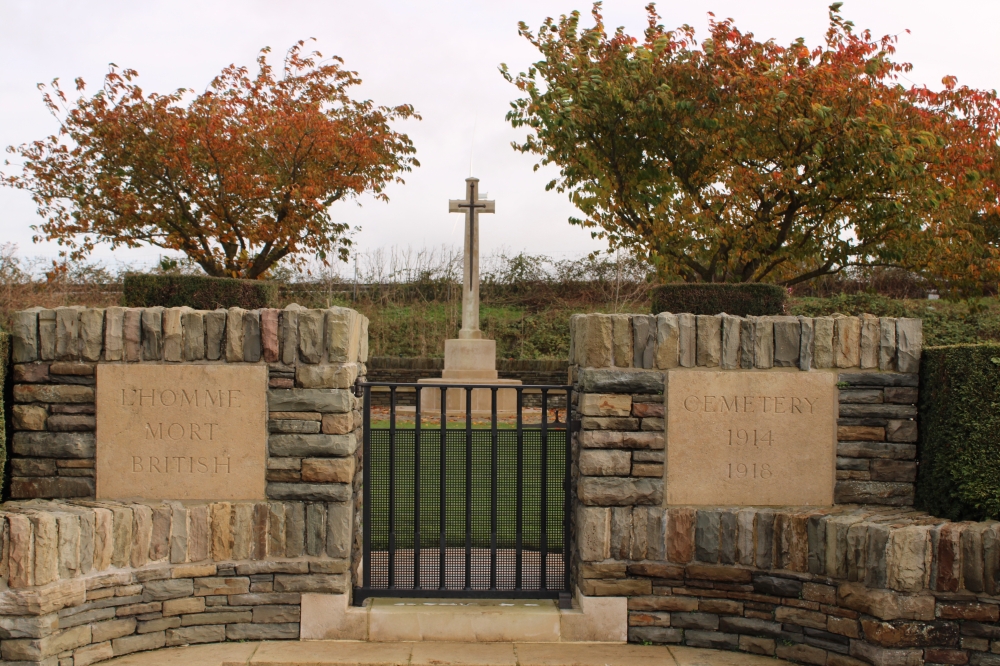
{"x": 473, "y": 508}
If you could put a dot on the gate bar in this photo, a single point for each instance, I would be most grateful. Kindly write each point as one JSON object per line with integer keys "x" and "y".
{"x": 494, "y": 478}
{"x": 442, "y": 542}
{"x": 543, "y": 578}
{"x": 416, "y": 496}
{"x": 392, "y": 487}
{"x": 366, "y": 478}
{"x": 468, "y": 489}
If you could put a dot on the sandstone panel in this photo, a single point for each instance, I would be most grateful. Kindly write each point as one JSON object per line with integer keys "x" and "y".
{"x": 738, "y": 438}
{"x": 181, "y": 432}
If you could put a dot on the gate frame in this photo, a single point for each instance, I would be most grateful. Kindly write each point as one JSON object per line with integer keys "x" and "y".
{"x": 564, "y": 595}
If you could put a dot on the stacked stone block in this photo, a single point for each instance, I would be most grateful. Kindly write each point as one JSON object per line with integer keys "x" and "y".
{"x": 848, "y": 585}
{"x": 89, "y": 580}
{"x": 666, "y": 341}
{"x": 84, "y": 621}
{"x": 44, "y": 542}
{"x": 877, "y": 438}
{"x": 313, "y": 359}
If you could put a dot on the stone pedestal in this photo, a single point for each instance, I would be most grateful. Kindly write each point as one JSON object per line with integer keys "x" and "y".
{"x": 469, "y": 361}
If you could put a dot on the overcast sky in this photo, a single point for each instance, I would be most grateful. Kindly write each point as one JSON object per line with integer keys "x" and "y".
{"x": 440, "y": 56}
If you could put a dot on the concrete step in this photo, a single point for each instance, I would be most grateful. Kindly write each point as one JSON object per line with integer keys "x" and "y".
{"x": 344, "y": 653}
{"x": 463, "y": 620}
{"x": 385, "y": 620}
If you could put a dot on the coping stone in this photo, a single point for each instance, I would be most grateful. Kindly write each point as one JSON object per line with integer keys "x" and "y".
{"x": 787, "y": 339}
{"x": 234, "y": 334}
{"x": 887, "y": 344}
{"x": 173, "y": 346}
{"x": 289, "y": 335}
{"x": 152, "y": 333}
{"x": 730, "y": 352}
{"x": 763, "y": 343}
{"x": 909, "y": 339}
{"x": 823, "y": 342}
{"x": 806, "y": 343}
{"x": 25, "y": 330}
{"x": 193, "y": 323}
{"x": 251, "y": 337}
{"x": 747, "y": 342}
{"x": 871, "y": 336}
{"x": 667, "y": 340}
{"x": 709, "y": 340}
{"x": 644, "y": 341}
{"x": 687, "y": 343}
{"x": 132, "y": 333}
{"x": 114, "y": 331}
{"x": 91, "y": 333}
{"x": 215, "y": 334}
{"x": 47, "y": 334}
{"x": 67, "y": 333}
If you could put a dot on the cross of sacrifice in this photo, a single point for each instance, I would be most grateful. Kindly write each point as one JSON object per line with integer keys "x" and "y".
{"x": 472, "y": 206}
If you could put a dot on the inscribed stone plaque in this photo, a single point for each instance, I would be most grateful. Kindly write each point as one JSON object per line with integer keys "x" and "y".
{"x": 185, "y": 432}
{"x": 751, "y": 438}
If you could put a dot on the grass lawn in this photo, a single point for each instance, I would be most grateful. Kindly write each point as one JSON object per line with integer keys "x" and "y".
{"x": 455, "y": 487}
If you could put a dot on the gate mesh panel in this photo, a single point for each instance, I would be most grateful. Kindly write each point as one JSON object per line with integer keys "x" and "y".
{"x": 479, "y": 555}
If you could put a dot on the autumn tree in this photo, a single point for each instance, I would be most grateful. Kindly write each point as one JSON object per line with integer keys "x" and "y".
{"x": 238, "y": 177}
{"x": 740, "y": 160}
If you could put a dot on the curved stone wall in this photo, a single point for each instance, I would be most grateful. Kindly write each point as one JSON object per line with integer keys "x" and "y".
{"x": 868, "y": 580}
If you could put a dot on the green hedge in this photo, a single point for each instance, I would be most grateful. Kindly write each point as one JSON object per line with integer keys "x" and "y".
{"x": 710, "y": 299}
{"x": 4, "y": 395}
{"x": 959, "y": 449}
{"x": 197, "y": 291}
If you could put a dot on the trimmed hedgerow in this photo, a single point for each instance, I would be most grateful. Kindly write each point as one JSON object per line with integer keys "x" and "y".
{"x": 739, "y": 299}
{"x": 197, "y": 291}
{"x": 959, "y": 448}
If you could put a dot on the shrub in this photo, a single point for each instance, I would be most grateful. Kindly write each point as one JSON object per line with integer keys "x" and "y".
{"x": 713, "y": 298}
{"x": 196, "y": 291}
{"x": 959, "y": 449}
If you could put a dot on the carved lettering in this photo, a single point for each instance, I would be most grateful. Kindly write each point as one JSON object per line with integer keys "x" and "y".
{"x": 736, "y": 404}
{"x": 180, "y": 465}
{"x": 181, "y": 431}
{"x": 748, "y": 438}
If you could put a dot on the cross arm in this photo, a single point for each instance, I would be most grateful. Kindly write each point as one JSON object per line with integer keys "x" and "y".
{"x": 453, "y": 205}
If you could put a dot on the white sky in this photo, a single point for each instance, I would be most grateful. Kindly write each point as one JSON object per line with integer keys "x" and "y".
{"x": 439, "y": 55}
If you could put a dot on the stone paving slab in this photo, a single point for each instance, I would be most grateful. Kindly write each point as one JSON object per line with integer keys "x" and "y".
{"x": 213, "y": 654}
{"x": 344, "y": 653}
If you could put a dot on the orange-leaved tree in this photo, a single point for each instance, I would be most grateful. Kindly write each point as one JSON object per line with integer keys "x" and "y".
{"x": 238, "y": 177}
{"x": 740, "y": 160}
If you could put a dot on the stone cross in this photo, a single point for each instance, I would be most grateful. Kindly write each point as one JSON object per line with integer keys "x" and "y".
{"x": 472, "y": 206}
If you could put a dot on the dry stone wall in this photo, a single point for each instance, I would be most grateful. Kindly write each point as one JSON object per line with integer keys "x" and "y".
{"x": 877, "y": 360}
{"x": 87, "y": 579}
{"x": 313, "y": 359}
{"x": 866, "y": 581}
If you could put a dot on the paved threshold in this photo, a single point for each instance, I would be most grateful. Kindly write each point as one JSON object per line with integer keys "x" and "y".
{"x": 344, "y": 653}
